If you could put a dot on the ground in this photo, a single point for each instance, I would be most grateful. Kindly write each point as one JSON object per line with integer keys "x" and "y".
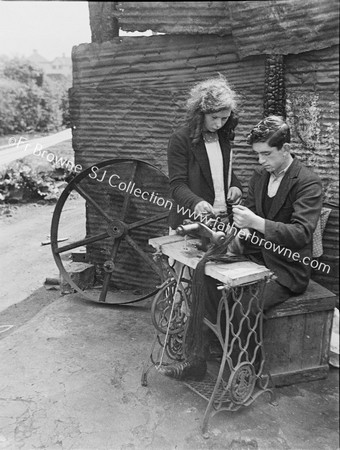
{"x": 25, "y": 262}
{"x": 22, "y": 234}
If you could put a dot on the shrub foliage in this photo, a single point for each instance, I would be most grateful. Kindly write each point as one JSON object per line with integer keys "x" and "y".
{"x": 30, "y": 100}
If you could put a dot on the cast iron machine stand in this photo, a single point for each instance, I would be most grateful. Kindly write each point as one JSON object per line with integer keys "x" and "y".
{"x": 239, "y": 378}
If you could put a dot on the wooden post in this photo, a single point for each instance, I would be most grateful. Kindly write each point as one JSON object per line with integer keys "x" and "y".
{"x": 104, "y": 25}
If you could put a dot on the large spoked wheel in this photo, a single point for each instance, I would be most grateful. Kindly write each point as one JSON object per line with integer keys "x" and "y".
{"x": 107, "y": 213}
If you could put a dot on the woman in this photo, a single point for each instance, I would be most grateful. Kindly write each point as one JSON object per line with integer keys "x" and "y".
{"x": 202, "y": 182}
{"x": 199, "y": 154}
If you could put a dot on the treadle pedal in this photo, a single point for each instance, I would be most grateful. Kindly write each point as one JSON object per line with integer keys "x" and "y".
{"x": 205, "y": 388}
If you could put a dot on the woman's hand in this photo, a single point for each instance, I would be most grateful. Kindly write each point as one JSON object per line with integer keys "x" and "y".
{"x": 234, "y": 195}
{"x": 204, "y": 207}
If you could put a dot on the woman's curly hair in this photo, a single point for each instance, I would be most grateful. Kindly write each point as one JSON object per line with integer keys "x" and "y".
{"x": 210, "y": 96}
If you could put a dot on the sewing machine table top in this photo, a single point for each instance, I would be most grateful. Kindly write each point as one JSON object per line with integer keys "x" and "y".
{"x": 184, "y": 250}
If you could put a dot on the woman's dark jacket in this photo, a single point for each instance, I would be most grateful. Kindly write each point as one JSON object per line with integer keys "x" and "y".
{"x": 190, "y": 175}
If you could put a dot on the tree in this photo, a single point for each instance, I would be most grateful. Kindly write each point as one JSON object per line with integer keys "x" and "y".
{"x": 23, "y": 71}
{"x": 30, "y": 100}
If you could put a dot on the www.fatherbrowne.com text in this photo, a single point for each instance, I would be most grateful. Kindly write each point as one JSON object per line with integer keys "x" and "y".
{"x": 217, "y": 224}
{"x": 153, "y": 197}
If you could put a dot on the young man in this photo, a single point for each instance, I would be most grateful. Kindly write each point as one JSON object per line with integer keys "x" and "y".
{"x": 281, "y": 211}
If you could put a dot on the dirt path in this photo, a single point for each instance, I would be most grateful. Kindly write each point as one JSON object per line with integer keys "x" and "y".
{"x": 24, "y": 262}
{"x": 19, "y": 146}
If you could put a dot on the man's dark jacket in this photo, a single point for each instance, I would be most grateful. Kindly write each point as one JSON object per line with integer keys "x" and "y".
{"x": 290, "y": 222}
{"x": 190, "y": 175}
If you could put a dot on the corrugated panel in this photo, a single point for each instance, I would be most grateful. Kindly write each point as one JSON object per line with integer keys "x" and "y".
{"x": 124, "y": 123}
{"x": 174, "y": 17}
{"x": 258, "y": 27}
{"x": 284, "y": 26}
{"x": 128, "y": 97}
{"x": 153, "y": 61}
{"x": 313, "y": 113}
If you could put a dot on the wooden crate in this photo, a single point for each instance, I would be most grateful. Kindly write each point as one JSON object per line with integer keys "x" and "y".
{"x": 297, "y": 336}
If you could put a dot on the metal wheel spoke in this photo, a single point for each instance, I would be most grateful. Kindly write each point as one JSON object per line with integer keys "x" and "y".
{"x": 82, "y": 242}
{"x": 108, "y": 275}
{"x": 92, "y": 202}
{"x": 140, "y": 223}
{"x": 105, "y": 287}
{"x": 143, "y": 255}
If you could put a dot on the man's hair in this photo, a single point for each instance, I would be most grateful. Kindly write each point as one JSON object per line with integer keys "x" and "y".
{"x": 207, "y": 97}
{"x": 272, "y": 129}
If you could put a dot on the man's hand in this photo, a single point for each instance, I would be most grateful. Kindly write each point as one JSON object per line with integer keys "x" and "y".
{"x": 245, "y": 218}
{"x": 204, "y": 207}
{"x": 234, "y": 195}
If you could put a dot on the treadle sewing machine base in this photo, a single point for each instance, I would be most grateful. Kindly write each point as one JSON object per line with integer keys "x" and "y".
{"x": 239, "y": 378}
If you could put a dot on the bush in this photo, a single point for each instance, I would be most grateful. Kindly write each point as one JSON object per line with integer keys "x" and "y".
{"x": 51, "y": 117}
{"x": 23, "y": 71}
{"x": 8, "y": 106}
{"x": 23, "y": 183}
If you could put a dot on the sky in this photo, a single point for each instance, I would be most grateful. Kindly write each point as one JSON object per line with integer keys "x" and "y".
{"x": 50, "y": 27}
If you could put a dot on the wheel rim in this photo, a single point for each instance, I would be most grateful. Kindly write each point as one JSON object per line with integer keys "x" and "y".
{"x": 118, "y": 223}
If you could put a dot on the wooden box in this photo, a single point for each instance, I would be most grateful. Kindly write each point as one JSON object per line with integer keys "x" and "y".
{"x": 297, "y": 336}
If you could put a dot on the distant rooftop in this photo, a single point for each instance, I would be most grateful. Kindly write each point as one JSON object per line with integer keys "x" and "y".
{"x": 37, "y": 58}
{"x": 61, "y": 65}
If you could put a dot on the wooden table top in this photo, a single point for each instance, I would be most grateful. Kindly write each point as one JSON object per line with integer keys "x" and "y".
{"x": 184, "y": 250}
